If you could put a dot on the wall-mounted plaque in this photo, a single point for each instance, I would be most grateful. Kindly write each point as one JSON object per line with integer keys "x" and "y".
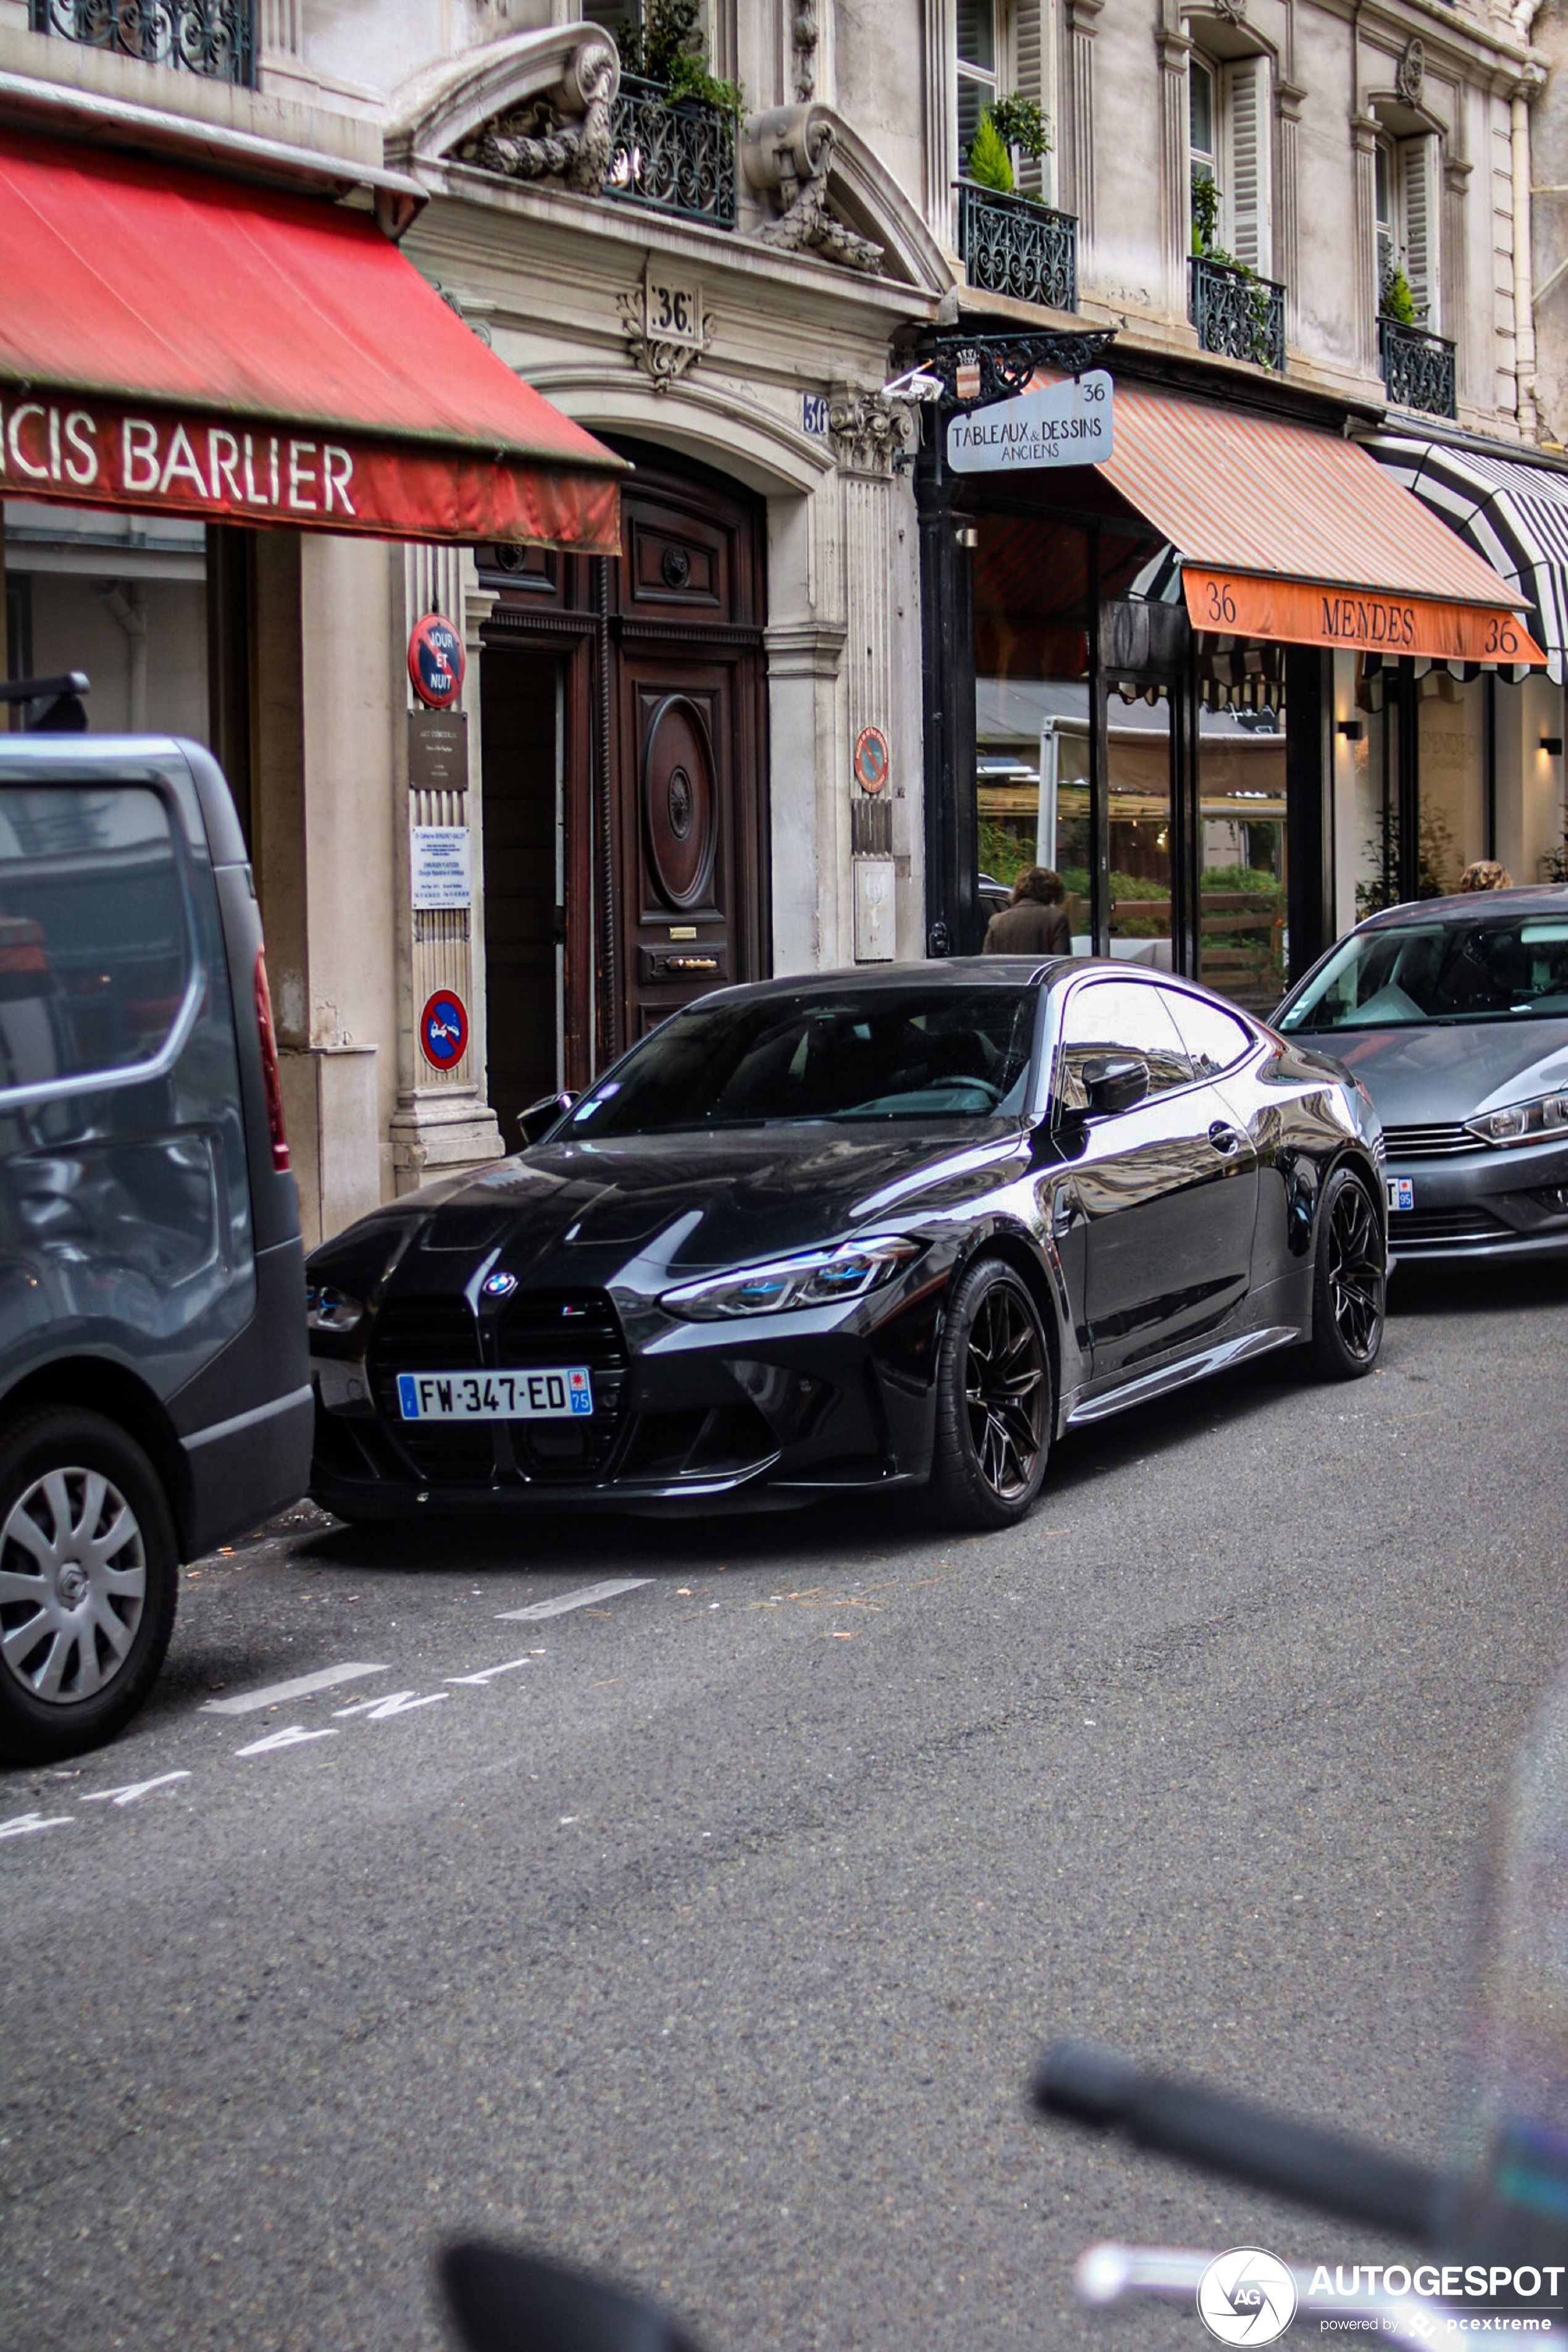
{"x": 438, "y": 751}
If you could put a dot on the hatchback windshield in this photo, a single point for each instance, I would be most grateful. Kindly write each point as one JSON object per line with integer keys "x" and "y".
{"x": 1511, "y": 967}
{"x": 875, "y": 1053}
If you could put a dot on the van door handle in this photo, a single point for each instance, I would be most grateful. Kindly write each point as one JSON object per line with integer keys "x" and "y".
{"x": 1227, "y": 1141}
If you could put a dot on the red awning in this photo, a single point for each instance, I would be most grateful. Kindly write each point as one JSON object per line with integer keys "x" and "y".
{"x": 174, "y": 342}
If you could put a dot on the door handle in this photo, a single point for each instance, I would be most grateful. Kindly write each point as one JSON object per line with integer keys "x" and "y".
{"x": 1227, "y": 1141}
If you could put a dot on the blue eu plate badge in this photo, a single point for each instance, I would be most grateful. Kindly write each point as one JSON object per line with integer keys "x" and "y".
{"x": 1402, "y": 1192}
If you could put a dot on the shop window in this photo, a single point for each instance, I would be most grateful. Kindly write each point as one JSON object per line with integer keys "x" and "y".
{"x": 122, "y": 596}
{"x": 1448, "y": 723}
{"x": 1407, "y": 210}
{"x": 1230, "y": 158}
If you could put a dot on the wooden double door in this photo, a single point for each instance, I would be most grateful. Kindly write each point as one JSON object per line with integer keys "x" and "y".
{"x": 626, "y": 802}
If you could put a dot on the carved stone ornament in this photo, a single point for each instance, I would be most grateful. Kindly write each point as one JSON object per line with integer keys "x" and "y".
{"x": 1233, "y": 11}
{"x": 788, "y": 154}
{"x": 1411, "y": 76}
{"x": 803, "y": 32}
{"x": 562, "y": 134}
{"x": 869, "y": 430}
{"x": 663, "y": 363}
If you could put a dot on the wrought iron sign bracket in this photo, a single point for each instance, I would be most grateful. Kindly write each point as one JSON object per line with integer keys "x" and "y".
{"x": 976, "y": 369}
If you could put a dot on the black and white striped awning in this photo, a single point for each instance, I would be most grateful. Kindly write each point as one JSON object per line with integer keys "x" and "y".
{"x": 1511, "y": 512}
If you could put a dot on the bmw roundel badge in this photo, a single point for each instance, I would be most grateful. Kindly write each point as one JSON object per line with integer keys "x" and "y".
{"x": 499, "y": 1285}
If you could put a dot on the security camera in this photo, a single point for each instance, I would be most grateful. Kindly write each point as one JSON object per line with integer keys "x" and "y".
{"x": 915, "y": 383}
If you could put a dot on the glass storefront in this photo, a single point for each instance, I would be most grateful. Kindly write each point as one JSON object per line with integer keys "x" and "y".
{"x": 122, "y": 596}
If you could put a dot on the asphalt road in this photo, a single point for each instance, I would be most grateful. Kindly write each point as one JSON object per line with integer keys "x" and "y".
{"x": 711, "y": 1940}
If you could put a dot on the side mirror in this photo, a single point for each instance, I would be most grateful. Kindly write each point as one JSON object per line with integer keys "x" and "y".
{"x": 540, "y": 1117}
{"x": 1115, "y": 1083}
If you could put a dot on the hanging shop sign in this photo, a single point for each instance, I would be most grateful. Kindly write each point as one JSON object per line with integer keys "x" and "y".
{"x": 1066, "y": 424}
{"x": 1306, "y": 613}
{"x": 439, "y": 863}
{"x": 436, "y": 661}
{"x": 444, "y": 1029}
{"x": 872, "y": 759}
{"x": 161, "y": 461}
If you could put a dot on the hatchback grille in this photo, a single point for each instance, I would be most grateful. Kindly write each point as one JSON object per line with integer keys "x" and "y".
{"x": 1417, "y": 1228}
{"x": 1435, "y": 1142}
{"x": 537, "y": 1329}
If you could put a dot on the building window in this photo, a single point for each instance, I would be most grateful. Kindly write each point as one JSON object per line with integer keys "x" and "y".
{"x": 978, "y": 68}
{"x": 1231, "y": 151}
{"x": 1405, "y": 203}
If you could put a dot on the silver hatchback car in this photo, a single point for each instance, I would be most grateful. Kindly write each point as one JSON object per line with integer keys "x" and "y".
{"x": 1453, "y": 1013}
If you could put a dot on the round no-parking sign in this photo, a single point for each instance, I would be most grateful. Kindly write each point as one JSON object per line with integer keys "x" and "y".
{"x": 444, "y": 1029}
{"x": 436, "y": 661}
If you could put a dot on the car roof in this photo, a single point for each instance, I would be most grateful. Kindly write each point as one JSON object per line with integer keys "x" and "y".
{"x": 1526, "y": 898}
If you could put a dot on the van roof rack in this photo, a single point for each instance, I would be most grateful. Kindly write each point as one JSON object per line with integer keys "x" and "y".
{"x": 57, "y": 701}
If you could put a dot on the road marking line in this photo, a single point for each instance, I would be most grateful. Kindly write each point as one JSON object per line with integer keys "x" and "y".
{"x": 488, "y": 1673}
{"x": 295, "y": 1737}
{"x": 274, "y": 1693}
{"x": 584, "y": 1598}
{"x": 376, "y": 1711}
{"x": 128, "y": 1796}
{"x": 24, "y": 1824}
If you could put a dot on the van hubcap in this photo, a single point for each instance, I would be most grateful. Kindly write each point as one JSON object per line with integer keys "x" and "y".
{"x": 73, "y": 1584}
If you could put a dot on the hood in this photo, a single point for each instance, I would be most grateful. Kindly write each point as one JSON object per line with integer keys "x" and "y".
{"x": 572, "y": 1212}
{"x": 1420, "y": 1078}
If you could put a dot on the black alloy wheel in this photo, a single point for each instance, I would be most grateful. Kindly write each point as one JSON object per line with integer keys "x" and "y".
{"x": 1350, "y": 1279}
{"x": 993, "y": 1400}
{"x": 89, "y": 1580}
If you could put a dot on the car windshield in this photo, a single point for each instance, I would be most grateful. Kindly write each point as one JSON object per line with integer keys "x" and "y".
{"x": 1497, "y": 968}
{"x": 873, "y": 1053}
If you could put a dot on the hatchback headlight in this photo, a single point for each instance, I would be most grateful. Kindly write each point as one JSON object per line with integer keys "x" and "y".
{"x": 814, "y": 1278}
{"x": 1525, "y": 1122}
{"x": 329, "y": 1309}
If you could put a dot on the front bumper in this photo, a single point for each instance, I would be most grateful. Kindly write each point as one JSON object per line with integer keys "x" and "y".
{"x": 1485, "y": 1203}
{"x": 750, "y": 1415}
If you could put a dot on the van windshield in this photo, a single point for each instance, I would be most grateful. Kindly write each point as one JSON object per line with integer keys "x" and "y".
{"x": 1410, "y": 975}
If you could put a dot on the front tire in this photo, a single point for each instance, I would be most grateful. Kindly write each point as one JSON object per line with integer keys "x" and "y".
{"x": 88, "y": 1580}
{"x": 1350, "y": 1280}
{"x": 993, "y": 1400}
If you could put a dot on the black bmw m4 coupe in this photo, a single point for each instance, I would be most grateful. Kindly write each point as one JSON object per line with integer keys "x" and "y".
{"x": 854, "y": 1231}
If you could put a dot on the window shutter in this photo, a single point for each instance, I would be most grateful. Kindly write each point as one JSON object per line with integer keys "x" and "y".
{"x": 1030, "y": 34}
{"x": 1419, "y": 208}
{"x": 1249, "y": 143}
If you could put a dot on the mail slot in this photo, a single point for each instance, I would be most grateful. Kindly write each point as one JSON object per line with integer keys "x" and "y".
{"x": 703, "y": 965}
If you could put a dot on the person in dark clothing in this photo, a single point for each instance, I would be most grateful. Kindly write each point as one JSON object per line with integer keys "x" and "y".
{"x": 1037, "y": 921}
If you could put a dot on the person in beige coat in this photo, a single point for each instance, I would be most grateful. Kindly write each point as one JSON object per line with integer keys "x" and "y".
{"x": 1037, "y": 921}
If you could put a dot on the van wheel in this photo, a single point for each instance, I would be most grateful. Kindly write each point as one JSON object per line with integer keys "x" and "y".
{"x": 993, "y": 1400}
{"x": 89, "y": 1578}
{"x": 1349, "y": 1279}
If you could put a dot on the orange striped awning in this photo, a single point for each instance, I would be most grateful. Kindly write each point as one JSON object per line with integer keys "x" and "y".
{"x": 1291, "y": 533}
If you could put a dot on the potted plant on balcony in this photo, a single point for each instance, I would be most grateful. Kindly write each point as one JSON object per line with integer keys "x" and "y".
{"x": 1011, "y": 127}
{"x": 1014, "y": 242}
{"x": 1207, "y": 247}
{"x": 666, "y": 49}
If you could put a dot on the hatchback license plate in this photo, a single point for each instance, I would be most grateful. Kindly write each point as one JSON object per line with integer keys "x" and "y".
{"x": 1402, "y": 1192}
{"x": 556, "y": 1394}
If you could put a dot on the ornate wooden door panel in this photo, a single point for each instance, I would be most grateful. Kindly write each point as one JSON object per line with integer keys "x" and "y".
{"x": 691, "y": 848}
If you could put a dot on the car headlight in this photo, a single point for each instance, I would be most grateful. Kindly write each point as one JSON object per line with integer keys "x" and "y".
{"x": 1525, "y": 1122}
{"x": 329, "y": 1309}
{"x": 814, "y": 1278}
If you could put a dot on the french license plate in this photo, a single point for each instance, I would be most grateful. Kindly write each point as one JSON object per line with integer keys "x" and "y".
{"x": 556, "y": 1394}
{"x": 1401, "y": 1192}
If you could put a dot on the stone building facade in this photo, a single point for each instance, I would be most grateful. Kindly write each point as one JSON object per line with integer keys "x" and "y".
{"x": 713, "y": 756}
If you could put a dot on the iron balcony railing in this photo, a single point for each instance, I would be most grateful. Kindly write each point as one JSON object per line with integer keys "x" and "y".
{"x": 1237, "y": 314}
{"x": 1417, "y": 369}
{"x": 1012, "y": 246}
{"x": 672, "y": 159}
{"x": 216, "y": 38}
